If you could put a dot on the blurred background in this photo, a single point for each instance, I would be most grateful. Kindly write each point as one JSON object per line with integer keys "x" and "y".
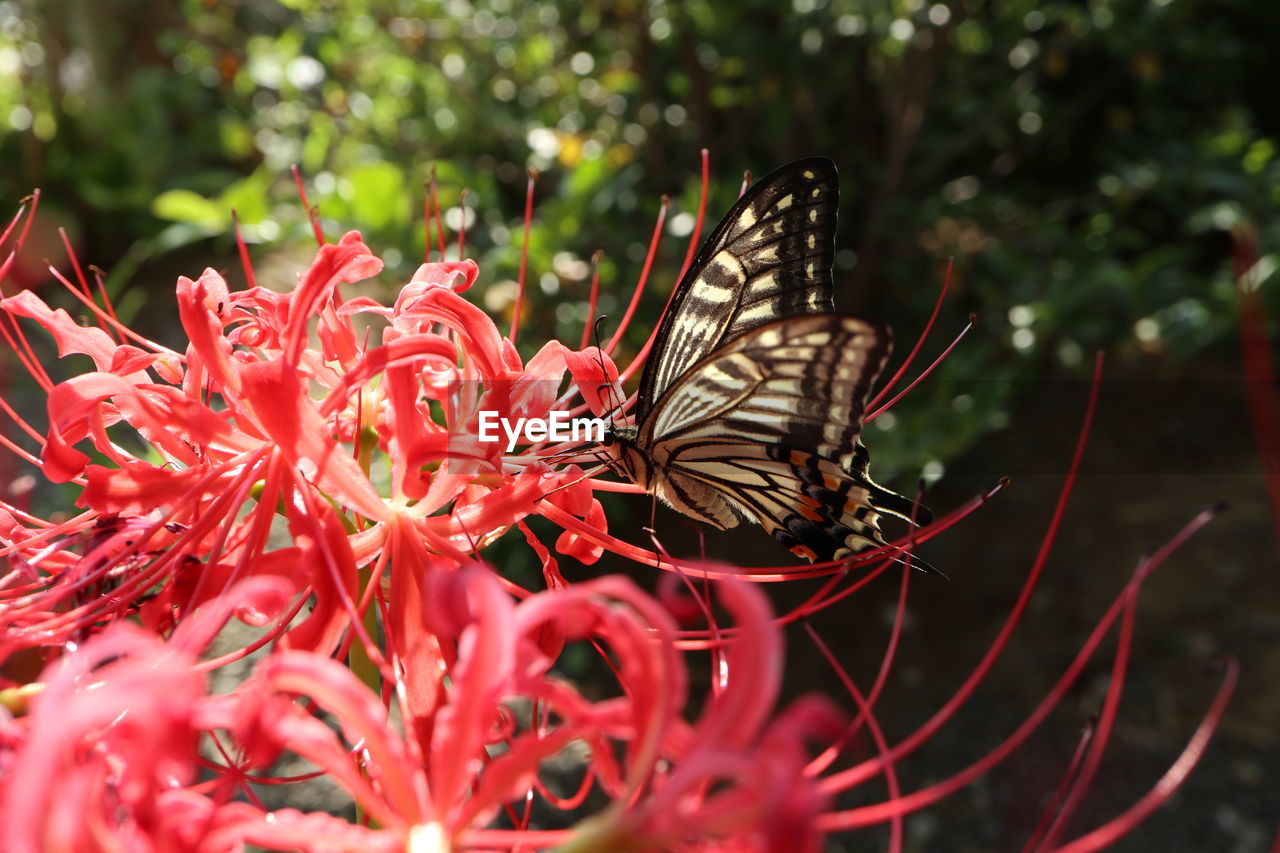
{"x": 1083, "y": 163}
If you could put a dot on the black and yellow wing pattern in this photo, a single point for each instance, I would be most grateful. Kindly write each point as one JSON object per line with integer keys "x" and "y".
{"x": 751, "y": 404}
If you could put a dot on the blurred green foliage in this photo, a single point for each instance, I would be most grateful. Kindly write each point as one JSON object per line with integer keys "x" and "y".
{"x": 1080, "y": 161}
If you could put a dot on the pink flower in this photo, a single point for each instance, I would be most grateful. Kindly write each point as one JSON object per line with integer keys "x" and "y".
{"x": 105, "y": 757}
{"x": 108, "y": 753}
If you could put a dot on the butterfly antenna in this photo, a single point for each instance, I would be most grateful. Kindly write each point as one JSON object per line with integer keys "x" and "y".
{"x": 586, "y": 475}
{"x": 600, "y": 458}
{"x": 603, "y": 372}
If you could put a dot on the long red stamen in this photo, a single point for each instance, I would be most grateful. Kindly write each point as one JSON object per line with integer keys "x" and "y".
{"x": 75, "y": 263}
{"x": 1064, "y": 787}
{"x": 871, "y": 416}
{"x": 462, "y": 224}
{"x": 524, "y": 256}
{"x": 702, "y": 212}
{"x": 1102, "y": 732}
{"x": 943, "y": 714}
{"x": 592, "y": 298}
{"x": 12, "y": 333}
{"x": 919, "y": 799}
{"x": 113, "y": 325}
{"x": 435, "y": 211}
{"x": 312, "y": 215}
{"x": 18, "y": 217}
{"x": 108, "y": 318}
{"x": 246, "y": 264}
{"x": 865, "y": 712}
{"x": 923, "y": 336}
{"x": 654, "y": 239}
{"x": 1116, "y": 828}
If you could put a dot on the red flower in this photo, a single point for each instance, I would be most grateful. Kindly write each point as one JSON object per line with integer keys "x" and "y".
{"x": 106, "y": 756}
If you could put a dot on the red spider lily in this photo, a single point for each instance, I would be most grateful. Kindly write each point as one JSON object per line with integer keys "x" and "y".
{"x": 280, "y": 413}
{"x": 108, "y": 752}
{"x": 232, "y": 425}
{"x": 106, "y": 756}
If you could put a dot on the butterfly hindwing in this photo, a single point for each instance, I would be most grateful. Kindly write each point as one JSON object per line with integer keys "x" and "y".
{"x": 802, "y": 381}
{"x": 768, "y": 426}
{"x": 813, "y": 506}
{"x": 770, "y": 257}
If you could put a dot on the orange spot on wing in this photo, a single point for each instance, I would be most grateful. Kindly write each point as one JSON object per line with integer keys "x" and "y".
{"x": 810, "y": 508}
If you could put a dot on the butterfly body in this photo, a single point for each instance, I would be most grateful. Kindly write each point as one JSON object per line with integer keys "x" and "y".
{"x": 751, "y": 404}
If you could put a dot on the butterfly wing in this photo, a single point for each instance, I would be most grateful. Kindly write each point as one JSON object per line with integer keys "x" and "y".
{"x": 767, "y": 427}
{"x": 770, "y": 257}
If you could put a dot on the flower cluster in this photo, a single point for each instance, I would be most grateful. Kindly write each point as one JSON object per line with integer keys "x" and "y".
{"x": 307, "y": 466}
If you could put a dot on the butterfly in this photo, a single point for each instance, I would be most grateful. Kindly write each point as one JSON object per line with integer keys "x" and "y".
{"x": 751, "y": 403}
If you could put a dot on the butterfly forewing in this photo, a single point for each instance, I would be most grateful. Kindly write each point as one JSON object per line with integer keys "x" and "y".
{"x": 770, "y": 257}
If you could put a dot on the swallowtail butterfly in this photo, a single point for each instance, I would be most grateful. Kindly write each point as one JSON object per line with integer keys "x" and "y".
{"x": 751, "y": 403}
